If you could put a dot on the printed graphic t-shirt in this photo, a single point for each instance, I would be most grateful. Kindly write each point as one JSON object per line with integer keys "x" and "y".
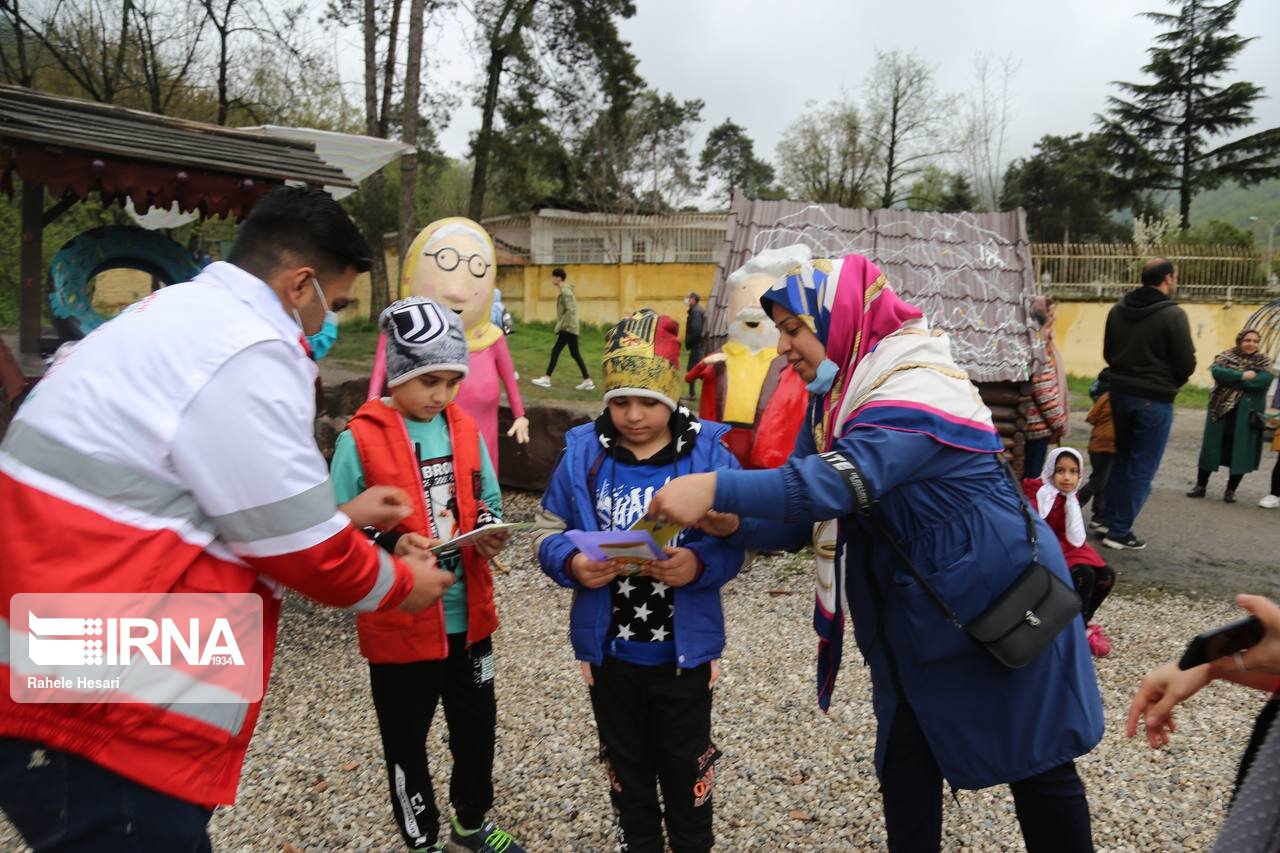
{"x": 435, "y": 458}
{"x": 642, "y": 620}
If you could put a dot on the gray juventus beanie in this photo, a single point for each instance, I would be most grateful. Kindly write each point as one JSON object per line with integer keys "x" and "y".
{"x": 422, "y": 337}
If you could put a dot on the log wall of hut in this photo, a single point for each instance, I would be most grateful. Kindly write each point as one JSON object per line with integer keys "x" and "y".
{"x": 1009, "y": 403}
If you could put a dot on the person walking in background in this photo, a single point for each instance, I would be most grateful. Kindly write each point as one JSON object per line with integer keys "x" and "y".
{"x": 566, "y": 333}
{"x": 1049, "y": 416}
{"x": 1233, "y": 425}
{"x": 694, "y": 328}
{"x": 1271, "y": 500}
{"x": 1102, "y": 452}
{"x": 1147, "y": 345}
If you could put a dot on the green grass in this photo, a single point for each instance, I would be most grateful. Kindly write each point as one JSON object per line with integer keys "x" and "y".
{"x": 1191, "y": 396}
{"x": 530, "y": 346}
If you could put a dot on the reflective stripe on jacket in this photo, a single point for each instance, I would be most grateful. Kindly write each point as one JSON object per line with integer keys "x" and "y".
{"x": 110, "y": 485}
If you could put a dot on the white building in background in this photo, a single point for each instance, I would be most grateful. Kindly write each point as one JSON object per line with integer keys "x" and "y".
{"x": 551, "y": 236}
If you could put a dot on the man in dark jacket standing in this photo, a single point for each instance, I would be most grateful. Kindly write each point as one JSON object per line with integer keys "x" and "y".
{"x": 693, "y": 328}
{"x": 1148, "y": 348}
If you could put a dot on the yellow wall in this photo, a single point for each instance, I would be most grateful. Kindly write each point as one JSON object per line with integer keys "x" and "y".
{"x": 605, "y": 292}
{"x": 1080, "y": 326}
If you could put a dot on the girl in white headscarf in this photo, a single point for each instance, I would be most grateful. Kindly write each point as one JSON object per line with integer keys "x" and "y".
{"x": 1054, "y": 497}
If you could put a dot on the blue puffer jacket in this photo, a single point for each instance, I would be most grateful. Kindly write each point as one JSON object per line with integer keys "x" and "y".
{"x": 699, "y": 621}
{"x": 961, "y": 521}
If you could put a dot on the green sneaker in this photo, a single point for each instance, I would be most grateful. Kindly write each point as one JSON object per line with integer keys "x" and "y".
{"x": 487, "y": 839}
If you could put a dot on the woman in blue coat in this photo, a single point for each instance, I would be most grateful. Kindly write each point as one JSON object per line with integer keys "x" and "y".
{"x": 898, "y": 435}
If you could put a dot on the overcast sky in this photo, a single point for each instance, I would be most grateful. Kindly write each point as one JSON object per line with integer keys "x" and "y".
{"x": 759, "y": 61}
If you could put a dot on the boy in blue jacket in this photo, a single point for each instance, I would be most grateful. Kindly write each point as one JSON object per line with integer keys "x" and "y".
{"x": 649, "y": 643}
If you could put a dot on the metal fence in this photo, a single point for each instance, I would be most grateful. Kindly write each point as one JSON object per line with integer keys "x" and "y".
{"x": 1186, "y": 292}
{"x": 1099, "y": 270}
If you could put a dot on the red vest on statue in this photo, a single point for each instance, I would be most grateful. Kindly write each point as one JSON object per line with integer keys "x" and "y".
{"x": 389, "y": 459}
{"x": 767, "y": 442}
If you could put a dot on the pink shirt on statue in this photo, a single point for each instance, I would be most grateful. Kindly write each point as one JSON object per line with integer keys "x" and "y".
{"x": 479, "y": 394}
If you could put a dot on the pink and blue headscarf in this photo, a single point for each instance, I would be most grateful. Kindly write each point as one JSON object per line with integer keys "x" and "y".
{"x": 852, "y": 309}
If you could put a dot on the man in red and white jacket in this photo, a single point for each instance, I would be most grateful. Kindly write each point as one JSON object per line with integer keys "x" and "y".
{"x": 173, "y": 452}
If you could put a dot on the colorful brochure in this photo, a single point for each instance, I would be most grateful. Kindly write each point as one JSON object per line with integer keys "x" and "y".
{"x": 627, "y": 546}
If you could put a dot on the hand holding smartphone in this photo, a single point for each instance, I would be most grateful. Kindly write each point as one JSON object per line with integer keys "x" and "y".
{"x": 1221, "y": 642}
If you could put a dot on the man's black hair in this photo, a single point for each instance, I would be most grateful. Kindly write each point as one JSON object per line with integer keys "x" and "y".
{"x": 1156, "y": 270}
{"x": 302, "y": 225}
{"x": 694, "y": 296}
{"x": 559, "y": 273}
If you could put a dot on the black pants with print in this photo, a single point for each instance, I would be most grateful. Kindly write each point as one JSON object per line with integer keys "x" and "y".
{"x": 405, "y": 696}
{"x": 655, "y": 731}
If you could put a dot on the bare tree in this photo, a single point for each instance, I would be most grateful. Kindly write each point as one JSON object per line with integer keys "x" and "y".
{"x": 502, "y": 33}
{"x": 376, "y": 121}
{"x": 907, "y": 120}
{"x": 167, "y": 41}
{"x": 987, "y": 116}
{"x": 827, "y": 155}
{"x": 409, "y": 127}
{"x": 87, "y": 39}
{"x": 19, "y": 66}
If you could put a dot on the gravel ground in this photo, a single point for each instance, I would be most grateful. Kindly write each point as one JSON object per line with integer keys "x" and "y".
{"x": 791, "y": 778}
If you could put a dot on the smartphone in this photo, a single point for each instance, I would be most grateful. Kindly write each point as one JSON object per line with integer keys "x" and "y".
{"x": 1220, "y": 642}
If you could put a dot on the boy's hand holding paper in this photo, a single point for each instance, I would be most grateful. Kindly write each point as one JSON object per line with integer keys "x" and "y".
{"x": 679, "y": 568}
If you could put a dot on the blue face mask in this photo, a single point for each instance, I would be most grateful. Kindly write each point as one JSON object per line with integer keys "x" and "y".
{"x": 322, "y": 341}
{"x": 826, "y": 377}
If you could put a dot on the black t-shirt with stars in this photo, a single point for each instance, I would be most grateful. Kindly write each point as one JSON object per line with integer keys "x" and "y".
{"x": 642, "y": 610}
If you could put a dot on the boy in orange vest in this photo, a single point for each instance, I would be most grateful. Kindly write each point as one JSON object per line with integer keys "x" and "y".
{"x": 418, "y": 441}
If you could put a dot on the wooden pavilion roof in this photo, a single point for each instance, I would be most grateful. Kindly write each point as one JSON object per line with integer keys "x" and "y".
{"x": 73, "y": 144}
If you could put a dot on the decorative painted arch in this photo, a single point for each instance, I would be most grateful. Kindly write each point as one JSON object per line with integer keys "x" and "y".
{"x": 107, "y": 248}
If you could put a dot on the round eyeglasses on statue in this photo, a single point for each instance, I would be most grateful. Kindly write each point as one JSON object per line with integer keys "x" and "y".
{"x": 448, "y": 259}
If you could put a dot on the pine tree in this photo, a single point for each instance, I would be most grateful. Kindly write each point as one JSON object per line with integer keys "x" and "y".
{"x": 1160, "y": 136}
{"x": 730, "y": 158}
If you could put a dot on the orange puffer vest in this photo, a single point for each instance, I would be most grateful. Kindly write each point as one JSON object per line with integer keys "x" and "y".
{"x": 389, "y": 459}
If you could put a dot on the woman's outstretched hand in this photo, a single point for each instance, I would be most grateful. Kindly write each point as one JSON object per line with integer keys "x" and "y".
{"x": 720, "y": 524}
{"x": 1165, "y": 687}
{"x": 685, "y": 500}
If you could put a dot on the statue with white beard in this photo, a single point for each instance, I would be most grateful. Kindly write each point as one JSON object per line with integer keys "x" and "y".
{"x": 747, "y": 385}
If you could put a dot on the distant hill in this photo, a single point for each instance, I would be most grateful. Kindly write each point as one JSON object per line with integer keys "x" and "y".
{"x": 1234, "y": 204}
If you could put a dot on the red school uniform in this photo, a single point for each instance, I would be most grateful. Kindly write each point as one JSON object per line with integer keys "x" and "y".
{"x": 1077, "y": 555}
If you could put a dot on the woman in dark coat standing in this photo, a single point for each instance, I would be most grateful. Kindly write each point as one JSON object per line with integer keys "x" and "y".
{"x": 898, "y": 436}
{"x": 1232, "y": 432}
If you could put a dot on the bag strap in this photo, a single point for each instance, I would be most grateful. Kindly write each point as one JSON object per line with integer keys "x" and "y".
{"x": 1024, "y": 505}
{"x": 864, "y": 501}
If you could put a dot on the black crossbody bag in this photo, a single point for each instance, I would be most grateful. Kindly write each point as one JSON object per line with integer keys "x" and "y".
{"x": 1022, "y": 621}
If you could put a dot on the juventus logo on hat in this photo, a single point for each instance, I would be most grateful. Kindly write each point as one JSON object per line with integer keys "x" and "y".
{"x": 418, "y": 323}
